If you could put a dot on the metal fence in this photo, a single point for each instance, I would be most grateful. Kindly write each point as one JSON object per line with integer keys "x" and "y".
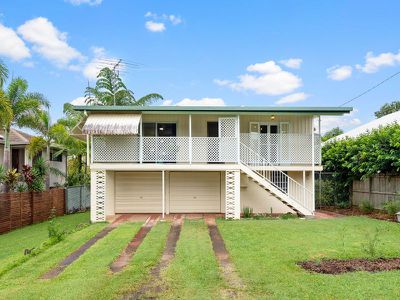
{"x": 77, "y": 198}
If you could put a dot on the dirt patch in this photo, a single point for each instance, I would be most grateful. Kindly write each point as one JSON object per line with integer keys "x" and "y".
{"x": 356, "y": 211}
{"x": 154, "y": 285}
{"x": 221, "y": 253}
{"x": 339, "y": 266}
{"x": 127, "y": 254}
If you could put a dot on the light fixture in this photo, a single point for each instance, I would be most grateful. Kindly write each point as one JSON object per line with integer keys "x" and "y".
{"x": 273, "y": 117}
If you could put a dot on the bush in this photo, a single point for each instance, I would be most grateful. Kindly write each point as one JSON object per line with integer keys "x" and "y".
{"x": 366, "y": 207}
{"x": 392, "y": 207}
{"x": 12, "y": 177}
{"x": 343, "y": 204}
{"x": 56, "y": 234}
{"x": 288, "y": 216}
{"x": 247, "y": 212}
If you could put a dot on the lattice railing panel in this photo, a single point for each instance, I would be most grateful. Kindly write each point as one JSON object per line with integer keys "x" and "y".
{"x": 165, "y": 149}
{"x": 116, "y": 148}
{"x": 100, "y": 195}
{"x": 232, "y": 194}
{"x": 214, "y": 149}
{"x": 283, "y": 149}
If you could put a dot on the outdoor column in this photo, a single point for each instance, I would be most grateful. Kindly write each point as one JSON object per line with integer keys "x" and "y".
{"x": 190, "y": 139}
{"x": 313, "y": 164}
{"x": 304, "y": 185}
{"x": 163, "y": 193}
{"x": 141, "y": 142}
{"x": 232, "y": 194}
{"x": 87, "y": 150}
{"x": 91, "y": 148}
{"x": 238, "y": 138}
{"x": 97, "y": 195}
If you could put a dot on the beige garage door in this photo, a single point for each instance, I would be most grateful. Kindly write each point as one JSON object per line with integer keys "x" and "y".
{"x": 195, "y": 192}
{"x": 138, "y": 192}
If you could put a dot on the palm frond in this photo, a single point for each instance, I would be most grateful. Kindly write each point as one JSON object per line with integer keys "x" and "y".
{"x": 36, "y": 145}
{"x": 148, "y": 99}
{"x": 3, "y": 73}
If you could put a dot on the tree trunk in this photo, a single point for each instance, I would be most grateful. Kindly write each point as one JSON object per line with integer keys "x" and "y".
{"x": 7, "y": 149}
{"x": 48, "y": 162}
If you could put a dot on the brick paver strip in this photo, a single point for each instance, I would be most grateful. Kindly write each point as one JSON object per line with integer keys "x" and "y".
{"x": 76, "y": 254}
{"x": 153, "y": 285}
{"x": 127, "y": 254}
{"x": 222, "y": 255}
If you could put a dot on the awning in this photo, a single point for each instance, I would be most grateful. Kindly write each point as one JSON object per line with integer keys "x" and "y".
{"x": 112, "y": 124}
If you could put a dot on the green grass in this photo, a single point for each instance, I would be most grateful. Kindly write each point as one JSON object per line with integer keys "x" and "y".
{"x": 194, "y": 273}
{"x": 89, "y": 277}
{"x": 13, "y": 244}
{"x": 265, "y": 254}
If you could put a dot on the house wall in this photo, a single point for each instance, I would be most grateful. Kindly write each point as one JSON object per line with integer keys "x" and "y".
{"x": 298, "y": 123}
{"x": 260, "y": 200}
{"x": 59, "y": 165}
{"x": 110, "y": 193}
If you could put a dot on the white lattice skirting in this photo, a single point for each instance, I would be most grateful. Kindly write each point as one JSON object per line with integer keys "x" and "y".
{"x": 98, "y": 196}
{"x": 232, "y": 195}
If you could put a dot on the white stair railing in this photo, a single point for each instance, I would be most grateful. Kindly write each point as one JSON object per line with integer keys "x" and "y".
{"x": 278, "y": 179}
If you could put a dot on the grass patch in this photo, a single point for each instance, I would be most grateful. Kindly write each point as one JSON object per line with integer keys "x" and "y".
{"x": 13, "y": 244}
{"x": 266, "y": 252}
{"x": 89, "y": 277}
{"x": 194, "y": 272}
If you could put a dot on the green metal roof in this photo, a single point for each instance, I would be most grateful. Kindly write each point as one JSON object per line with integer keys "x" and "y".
{"x": 220, "y": 109}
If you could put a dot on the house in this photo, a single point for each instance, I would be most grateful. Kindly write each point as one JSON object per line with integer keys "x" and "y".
{"x": 368, "y": 127}
{"x": 19, "y": 155}
{"x": 182, "y": 159}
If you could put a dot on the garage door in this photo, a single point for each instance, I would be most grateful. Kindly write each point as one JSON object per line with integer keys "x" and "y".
{"x": 138, "y": 192}
{"x": 195, "y": 192}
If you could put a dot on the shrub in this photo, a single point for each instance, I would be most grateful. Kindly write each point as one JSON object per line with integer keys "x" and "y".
{"x": 2, "y": 174}
{"x": 371, "y": 243}
{"x": 12, "y": 177}
{"x": 343, "y": 204}
{"x": 56, "y": 234}
{"x": 366, "y": 207}
{"x": 21, "y": 187}
{"x": 392, "y": 207}
{"x": 288, "y": 216}
{"x": 247, "y": 212}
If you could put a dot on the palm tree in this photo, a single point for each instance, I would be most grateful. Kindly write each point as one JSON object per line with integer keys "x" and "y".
{"x": 3, "y": 73}
{"x": 24, "y": 108}
{"x": 110, "y": 90}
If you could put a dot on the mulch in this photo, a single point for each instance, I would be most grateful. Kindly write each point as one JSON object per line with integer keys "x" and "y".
{"x": 356, "y": 211}
{"x": 339, "y": 266}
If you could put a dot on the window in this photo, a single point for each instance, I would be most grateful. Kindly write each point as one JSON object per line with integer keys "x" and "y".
{"x": 159, "y": 129}
{"x": 54, "y": 157}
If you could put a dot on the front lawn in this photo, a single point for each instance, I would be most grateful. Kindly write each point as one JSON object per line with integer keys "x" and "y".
{"x": 266, "y": 252}
{"x": 13, "y": 244}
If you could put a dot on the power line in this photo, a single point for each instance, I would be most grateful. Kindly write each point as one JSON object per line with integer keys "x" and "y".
{"x": 372, "y": 88}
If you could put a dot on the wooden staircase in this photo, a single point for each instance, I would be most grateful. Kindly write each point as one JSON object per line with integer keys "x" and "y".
{"x": 286, "y": 189}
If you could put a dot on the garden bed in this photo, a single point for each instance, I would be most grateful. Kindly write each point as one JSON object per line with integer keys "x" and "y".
{"x": 356, "y": 211}
{"x": 339, "y": 266}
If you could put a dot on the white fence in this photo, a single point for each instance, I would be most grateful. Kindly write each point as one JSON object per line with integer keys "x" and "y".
{"x": 276, "y": 149}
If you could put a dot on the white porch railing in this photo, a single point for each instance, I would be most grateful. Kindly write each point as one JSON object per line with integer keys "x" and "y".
{"x": 275, "y": 149}
{"x": 280, "y": 180}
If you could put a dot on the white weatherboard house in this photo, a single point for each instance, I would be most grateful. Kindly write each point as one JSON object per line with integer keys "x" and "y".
{"x": 181, "y": 159}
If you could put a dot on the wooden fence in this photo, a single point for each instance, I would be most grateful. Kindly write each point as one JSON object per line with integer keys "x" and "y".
{"x": 21, "y": 209}
{"x": 377, "y": 190}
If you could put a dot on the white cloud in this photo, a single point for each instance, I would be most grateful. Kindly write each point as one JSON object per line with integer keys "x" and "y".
{"x": 90, "y": 2}
{"x": 49, "y": 42}
{"x": 270, "y": 80}
{"x": 78, "y": 101}
{"x": 339, "y": 72}
{"x": 99, "y": 61}
{"x": 293, "y": 63}
{"x": 11, "y": 45}
{"x": 374, "y": 62}
{"x": 345, "y": 122}
{"x": 158, "y": 22}
{"x": 197, "y": 102}
{"x": 292, "y": 98}
{"x": 155, "y": 26}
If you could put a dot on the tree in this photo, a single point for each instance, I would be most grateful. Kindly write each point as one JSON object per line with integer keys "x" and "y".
{"x": 331, "y": 133}
{"x": 24, "y": 107}
{"x": 3, "y": 73}
{"x": 388, "y": 108}
{"x": 110, "y": 90}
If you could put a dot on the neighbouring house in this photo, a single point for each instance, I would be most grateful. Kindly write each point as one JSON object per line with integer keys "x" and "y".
{"x": 368, "y": 127}
{"x": 181, "y": 159}
{"x": 19, "y": 155}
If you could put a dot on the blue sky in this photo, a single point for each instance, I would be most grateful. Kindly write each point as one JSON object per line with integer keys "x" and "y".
{"x": 297, "y": 53}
